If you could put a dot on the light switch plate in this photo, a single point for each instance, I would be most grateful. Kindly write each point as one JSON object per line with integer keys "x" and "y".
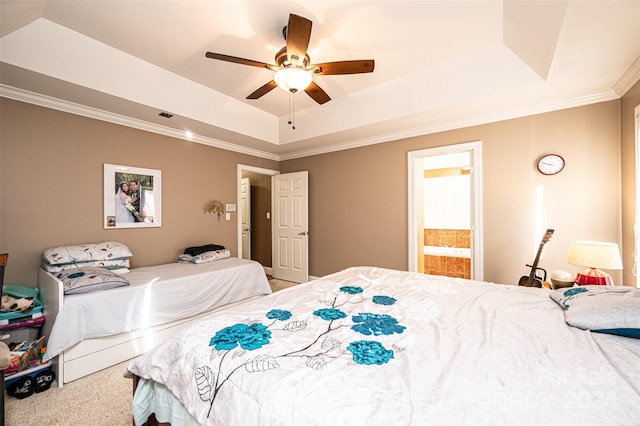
{"x": 230, "y": 207}
{"x": 228, "y": 216}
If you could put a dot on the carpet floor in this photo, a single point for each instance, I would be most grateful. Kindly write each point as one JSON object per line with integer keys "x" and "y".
{"x": 100, "y": 399}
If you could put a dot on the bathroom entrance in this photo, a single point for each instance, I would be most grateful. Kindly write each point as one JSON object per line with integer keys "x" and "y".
{"x": 444, "y": 201}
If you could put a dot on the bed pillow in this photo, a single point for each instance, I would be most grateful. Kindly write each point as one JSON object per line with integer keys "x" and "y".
{"x": 603, "y": 309}
{"x": 85, "y": 280}
{"x": 117, "y": 264}
{"x": 86, "y": 252}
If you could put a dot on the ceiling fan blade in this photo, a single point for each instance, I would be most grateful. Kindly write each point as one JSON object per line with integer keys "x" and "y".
{"x": 298, "y": 36}
{"x": 237, "y": 60}
{"x": 317, "y": 94}
{"x": 344, "y": 67}
{"x": 263, "y": 90}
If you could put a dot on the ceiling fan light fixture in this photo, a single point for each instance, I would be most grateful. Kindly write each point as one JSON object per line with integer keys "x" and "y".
{"x": 293, "y": 79}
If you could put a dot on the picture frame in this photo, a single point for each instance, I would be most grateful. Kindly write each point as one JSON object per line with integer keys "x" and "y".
{"x": 132, "y": 197}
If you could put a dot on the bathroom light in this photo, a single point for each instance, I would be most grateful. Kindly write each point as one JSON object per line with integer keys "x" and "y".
{"x": 594, "y": 255}
{"x": 293, "y": 79}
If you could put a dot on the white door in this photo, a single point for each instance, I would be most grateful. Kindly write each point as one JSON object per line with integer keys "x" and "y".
{"x": 245, "y": 211}
{"x": 291, "y": 227}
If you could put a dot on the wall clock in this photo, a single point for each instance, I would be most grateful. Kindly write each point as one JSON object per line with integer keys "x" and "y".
{"x": 550, "y": 164}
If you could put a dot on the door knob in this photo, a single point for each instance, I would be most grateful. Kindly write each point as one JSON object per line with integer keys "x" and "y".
{"x": 303, "y": 233}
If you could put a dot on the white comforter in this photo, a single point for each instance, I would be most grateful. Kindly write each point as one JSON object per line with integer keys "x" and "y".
{"x": 371, "y": 346}
{"x": 155, "y": 295}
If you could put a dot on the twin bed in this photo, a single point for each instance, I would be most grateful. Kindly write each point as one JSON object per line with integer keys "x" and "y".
{"x": 92, "y": 330}
{"x": 373, "y": 346}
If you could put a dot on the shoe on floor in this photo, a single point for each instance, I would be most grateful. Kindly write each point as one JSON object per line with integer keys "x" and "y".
{"x": 43, "y": 380}
{"x": 22, "y": 387}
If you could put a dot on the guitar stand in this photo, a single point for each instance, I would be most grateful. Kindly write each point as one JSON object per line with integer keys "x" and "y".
{"x": 544, "y": 278}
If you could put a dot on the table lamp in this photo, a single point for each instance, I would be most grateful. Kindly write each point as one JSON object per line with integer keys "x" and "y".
{"x": 594, "y": 255}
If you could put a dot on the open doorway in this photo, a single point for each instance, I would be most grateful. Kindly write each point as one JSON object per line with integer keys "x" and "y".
{"x": 445, "y": 208}
{"x": 255, "y": 214}
{"x": 273, "y": 221}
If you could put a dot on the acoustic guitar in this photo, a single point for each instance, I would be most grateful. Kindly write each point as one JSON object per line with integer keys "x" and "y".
{"x": 532, "y": 280}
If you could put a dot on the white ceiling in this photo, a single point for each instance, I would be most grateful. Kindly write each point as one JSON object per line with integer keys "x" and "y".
{"x": 438, "y": 65}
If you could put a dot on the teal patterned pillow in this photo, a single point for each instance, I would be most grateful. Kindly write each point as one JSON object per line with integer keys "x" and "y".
{"x": 603, "y": 309}
{"x": 85, "y": 280}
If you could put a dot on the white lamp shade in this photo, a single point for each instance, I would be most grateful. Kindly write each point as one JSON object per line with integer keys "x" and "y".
{"x": 293, "y": 79}
{"x": 594, "y": 255}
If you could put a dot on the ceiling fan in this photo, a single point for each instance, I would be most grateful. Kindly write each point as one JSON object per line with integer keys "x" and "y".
{"x": 294, "y": 72}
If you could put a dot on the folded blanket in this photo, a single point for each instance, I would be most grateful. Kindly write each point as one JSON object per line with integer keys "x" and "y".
{"x": 209, "y": 256}
{"x": 194, "y": 251}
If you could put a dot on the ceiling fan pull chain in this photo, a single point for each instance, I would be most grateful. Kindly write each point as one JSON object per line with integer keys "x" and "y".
{"x": 289, "y": 101}
{"x": 293, "y": 111}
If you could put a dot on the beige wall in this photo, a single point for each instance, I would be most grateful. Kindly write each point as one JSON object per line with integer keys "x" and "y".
{"x": 51, "y": 187}
{"x": 358, "y": 197}
{"x": 629, "y": 102}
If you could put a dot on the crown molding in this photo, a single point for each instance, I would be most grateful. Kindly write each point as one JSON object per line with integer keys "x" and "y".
{"x": 628, "y": 79}
{"x": 82, "y": 110}
{"x": 89, "y": 112}
{"x": 453, "y": 125}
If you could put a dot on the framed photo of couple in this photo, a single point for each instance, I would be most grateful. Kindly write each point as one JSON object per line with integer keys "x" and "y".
{"x": 132, "y": 197}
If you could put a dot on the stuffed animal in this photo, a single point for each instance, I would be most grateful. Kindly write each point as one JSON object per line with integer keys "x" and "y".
{"x": 11, "y": 304}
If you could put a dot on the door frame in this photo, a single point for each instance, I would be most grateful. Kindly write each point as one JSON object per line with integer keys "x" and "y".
{"x": 259, "y": 170}
{"x": 245, "y": 191}
{"x": 636, "y": 225}
{"x": 416, "y": 171}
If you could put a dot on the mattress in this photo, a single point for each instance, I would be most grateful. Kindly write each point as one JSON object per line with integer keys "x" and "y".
{"x": 373, "y": 346}
{"x": 155, "y": 295}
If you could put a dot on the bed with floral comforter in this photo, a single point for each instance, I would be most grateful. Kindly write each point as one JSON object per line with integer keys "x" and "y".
{"x": 373, "y": 346}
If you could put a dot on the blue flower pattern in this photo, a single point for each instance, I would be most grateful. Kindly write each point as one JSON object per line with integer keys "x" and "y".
{"x": 329, "y": 314}
{"x": 383, "y": 300}
{"x": 376, "y": 324}
{"x": 249, "y": 337}
{"x": 351, "y": 289}
{"x": 369, "y": 352}
{"x": 279, "y": 314}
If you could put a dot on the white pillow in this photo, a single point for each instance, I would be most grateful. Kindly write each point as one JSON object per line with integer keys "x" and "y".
{"x": 86, "y": 252}
{"x": 85, "y": 280}
{"x": 106, "y": 264}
